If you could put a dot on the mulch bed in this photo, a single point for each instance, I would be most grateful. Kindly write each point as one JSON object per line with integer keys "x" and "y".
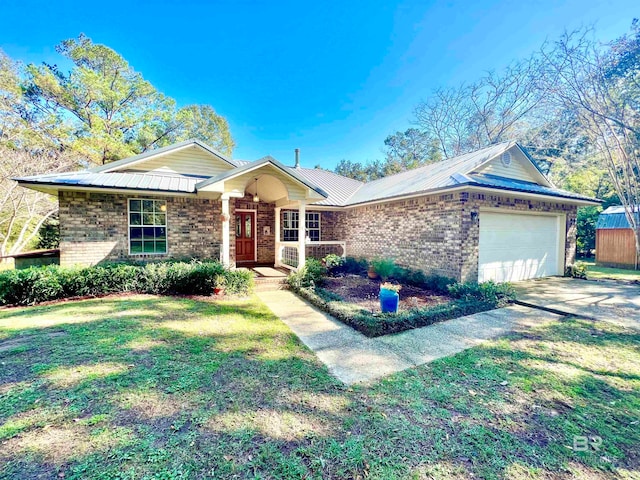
{"x": 364, "y": 292}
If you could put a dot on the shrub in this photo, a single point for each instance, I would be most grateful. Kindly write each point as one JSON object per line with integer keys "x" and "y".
{"x": 357, "y": 266}
{"x": 40, "y": 284}
{"x": 310, "y": 275}
{"x": 497, "y": 294}
{"x": 384, "y": 267}
{"x": 238, "y": 282}
{"x": 418, "y": 278}
{"x": 576, "y": 270}
{"x": 333, "y": 262}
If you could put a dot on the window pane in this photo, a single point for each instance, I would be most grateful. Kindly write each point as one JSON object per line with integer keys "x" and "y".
{"x": 238, "y": 226}
{"x": 247, "y": 226}
{"x": 314, "y": 235}
{"x": 290, "y": 235}
{"x": 144, "y": 235}
{"x": 135, "y": 233}
{"x": 160, "y": 233}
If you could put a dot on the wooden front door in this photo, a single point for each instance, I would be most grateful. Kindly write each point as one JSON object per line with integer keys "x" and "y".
{"x": 245, "y": 236}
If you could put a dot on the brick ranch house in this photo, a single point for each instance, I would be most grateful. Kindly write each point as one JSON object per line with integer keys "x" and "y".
{"x": 489, "y": 214}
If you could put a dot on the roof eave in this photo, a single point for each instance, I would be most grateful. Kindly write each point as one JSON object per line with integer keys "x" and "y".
{"x": 53, "y": 188}
{"x": 480, "y": 187}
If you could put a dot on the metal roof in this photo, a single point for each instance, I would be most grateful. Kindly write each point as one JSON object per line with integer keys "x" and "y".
{"x": 615, "y": 217}
{"x": 119, "y": 180}
{"x": 338, "y": 190}
{"x": 430, "y": 177}
{"x": 337, "y": 187}
{"x": 268, "y": 160}
{"x": 492, "y": 181}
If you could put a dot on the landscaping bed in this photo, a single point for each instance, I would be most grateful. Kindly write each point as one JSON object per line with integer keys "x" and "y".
{"x": 44, "y": 284}
{"x": 363, "y": 292}
{"x": 341, "y": 288}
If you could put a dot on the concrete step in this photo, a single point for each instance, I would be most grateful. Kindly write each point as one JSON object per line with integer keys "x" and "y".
{"x": 266, "y": 284}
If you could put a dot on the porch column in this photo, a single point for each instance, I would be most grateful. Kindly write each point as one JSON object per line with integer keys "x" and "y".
{"x": 302, "y": 233}
{"x": 225, "y": 231}
{"x": 277, "y": 234}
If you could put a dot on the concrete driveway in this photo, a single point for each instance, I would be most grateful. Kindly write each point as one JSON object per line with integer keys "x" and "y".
{"x": 610, "y": 301}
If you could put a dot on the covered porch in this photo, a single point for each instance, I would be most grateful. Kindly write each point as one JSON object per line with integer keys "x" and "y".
{"x": 270, "y": 216}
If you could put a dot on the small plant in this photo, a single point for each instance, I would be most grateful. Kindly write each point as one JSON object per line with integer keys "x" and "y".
{"x": 390, "y": 286}
{"x": 333, "y": 262}
{"x": 310, "y": 275}
{"x": 577, "y": 270}
{"x": 219, "y": 282}
{"x": 384, "y": 267}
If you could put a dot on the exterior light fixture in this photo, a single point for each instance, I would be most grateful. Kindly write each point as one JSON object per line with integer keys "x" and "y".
{"x": 256, "y": 198}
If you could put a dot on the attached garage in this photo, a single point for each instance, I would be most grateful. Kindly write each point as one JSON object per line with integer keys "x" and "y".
{"x": 518, "y": 246}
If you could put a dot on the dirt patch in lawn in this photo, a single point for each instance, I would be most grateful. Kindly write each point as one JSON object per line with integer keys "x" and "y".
{"x": 26, "y": 340}
{"x": 364, "y": 292}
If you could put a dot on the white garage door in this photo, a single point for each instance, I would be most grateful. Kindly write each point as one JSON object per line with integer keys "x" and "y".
{"x": 517, "y": 247}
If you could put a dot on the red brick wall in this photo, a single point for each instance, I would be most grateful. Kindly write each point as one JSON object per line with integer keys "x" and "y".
{"x": 437, "y": 233}
{"x": 94, "y": 228}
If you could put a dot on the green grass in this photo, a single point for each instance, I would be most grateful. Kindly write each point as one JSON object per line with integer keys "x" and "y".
{"x": 599, "y": 272}
{"x": 162, "y": 387}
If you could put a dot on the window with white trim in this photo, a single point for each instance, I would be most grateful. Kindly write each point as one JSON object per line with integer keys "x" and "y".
{"x": 290, "y": 226}
{"x": 147, "y": 226}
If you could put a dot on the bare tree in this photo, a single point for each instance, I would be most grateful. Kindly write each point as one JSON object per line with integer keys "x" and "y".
{"x": 600, "y": 85}
{"x": 23, "y": 211}
{"x": 489, "y": 111}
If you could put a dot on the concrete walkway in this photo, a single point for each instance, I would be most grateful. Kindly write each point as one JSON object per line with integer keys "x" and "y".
{"x": 353, "y": 358}
{"x": 609, "y": 301}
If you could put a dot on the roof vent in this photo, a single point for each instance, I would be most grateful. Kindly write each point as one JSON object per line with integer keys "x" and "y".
{"x": 506, "y": 159}
{"x": 297, "y": 158}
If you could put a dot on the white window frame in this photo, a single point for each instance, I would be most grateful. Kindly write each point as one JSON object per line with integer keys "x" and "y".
{"x": 287, "y": 219}
{"x": 166, "y": 226}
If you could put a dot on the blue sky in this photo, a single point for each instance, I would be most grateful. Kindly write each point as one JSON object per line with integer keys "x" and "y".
{"x": 331, "y": 78}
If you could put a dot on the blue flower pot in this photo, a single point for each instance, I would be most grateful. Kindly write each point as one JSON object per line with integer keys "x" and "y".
{"x": 389, "y": 300}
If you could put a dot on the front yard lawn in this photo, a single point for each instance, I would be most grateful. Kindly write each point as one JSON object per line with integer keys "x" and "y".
{"x": 162, "y": 387}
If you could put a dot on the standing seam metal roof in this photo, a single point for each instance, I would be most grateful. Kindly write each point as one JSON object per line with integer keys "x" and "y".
{"x": 120, "y": 180}
{"x": 338, "y": 190}
{"x": 615, "y": 217}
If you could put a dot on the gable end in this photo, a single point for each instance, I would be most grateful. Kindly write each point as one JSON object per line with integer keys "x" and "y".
{"x": 516, "y": 165}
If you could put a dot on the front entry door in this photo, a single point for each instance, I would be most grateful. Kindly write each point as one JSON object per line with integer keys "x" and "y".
{"x": 245, "y": 237}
